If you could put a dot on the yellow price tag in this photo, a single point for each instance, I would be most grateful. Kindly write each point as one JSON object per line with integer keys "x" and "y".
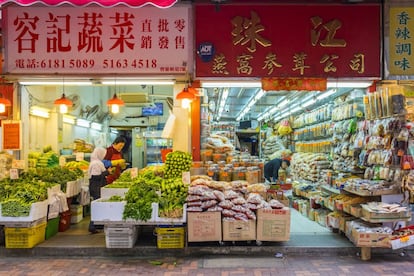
{"x": 405, "y": 239}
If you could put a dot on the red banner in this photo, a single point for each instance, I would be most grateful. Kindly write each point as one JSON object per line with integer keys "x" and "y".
{"x": 104, "y": 3}
{"x": 290, "y": 84}
{"x": 335, "y": 41}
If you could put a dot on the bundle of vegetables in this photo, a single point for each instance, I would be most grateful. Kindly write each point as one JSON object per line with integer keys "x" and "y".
{"x": 17, "y": 195}
{"x": 176, "y": 163}
{"x": 73, "y": 165}
{"x": 140, "y": 196}
{"x": 158, "y": 170}
{"x": 173, "y": 196}
{"x": 58, "y": 175}
{"x": 173, "y": 190}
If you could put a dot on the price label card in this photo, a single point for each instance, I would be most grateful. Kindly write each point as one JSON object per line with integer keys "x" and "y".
{"x": 62, "y": 161}
{"x": 80, "y": 156}
{"x": 186, "y": 178}
{"x": 18, "y": 164}
{"x": 134, "y": 172}
{"x": 14, "y": 173}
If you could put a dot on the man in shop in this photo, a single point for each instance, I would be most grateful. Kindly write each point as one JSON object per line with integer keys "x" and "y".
{"x": 117, "y": 162}
{"x": 271, "y": 168}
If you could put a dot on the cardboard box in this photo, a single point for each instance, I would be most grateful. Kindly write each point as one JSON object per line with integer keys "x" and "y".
{"x": 342, "y": 222}
{"x": 405, "y": 240}
{"x": 363, "y": 239}
{"x": 203, "y": 226}
{"x": 239, "y": 230}
{"x": 273, "y": 225}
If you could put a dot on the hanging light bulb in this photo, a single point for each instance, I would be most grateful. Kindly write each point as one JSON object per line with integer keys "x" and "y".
{"x": 186, "y": 97}
{"x": 114, "y": 103}
{"x": 63, "y": 103}
{"x": 3, "y": 104}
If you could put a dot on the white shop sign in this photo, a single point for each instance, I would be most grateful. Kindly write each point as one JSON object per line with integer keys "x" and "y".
{"x": 41, "y": 40}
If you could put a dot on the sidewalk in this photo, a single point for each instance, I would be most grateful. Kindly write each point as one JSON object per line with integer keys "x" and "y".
{"x": 78, "y": 242}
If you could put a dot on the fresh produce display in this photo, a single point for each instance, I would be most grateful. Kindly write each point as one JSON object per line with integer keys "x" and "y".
{"x": 73, "y": 165}
{"x": 140, "y": 196}
{"x": 57, "y": 175}
{"x": 45, "y": 159}
{"x": 158, "y": 170}
{"x": 114, "y": 198}
{"x": 173, "y": 190}
{"x": 173, "y": 196}
{"x": 176, "y": 163}
{"x": 17, "y": 195}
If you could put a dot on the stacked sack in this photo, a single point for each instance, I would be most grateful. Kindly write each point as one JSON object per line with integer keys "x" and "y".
{"x": 309, "y": 166}
{"x": 236, "y": 200}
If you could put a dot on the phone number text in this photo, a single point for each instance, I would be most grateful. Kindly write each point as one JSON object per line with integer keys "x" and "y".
{"x": 86, "y": 63}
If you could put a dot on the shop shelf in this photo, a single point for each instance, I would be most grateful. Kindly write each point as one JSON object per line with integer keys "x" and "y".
{"x": 18, "y": 237}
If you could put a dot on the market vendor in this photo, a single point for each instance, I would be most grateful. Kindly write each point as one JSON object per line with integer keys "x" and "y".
{"x": 117, "y": 162}
{"x": 271, "y": 168}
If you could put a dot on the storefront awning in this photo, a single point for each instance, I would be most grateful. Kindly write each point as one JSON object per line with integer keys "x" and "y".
{"x": 103, "y": 3}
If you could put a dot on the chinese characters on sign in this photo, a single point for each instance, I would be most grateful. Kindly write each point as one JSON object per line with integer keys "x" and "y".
{"x": 146, "y": 40}
{"x": 289, "y": 41}
{"x": 401, "y": 40}
{"x": 247, "y": 31}
{"x": 11, "y": 135}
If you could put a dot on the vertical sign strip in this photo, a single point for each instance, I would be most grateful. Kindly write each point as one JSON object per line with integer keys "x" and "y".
{"x": 401, "y": 41}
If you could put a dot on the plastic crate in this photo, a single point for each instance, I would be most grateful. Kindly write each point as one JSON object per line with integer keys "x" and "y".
{"x": 120, "y": 237}
{"x": 64, "y": 222}
{"x": 25, "y": 237}
{"x": 52, "y": 227}
{"x": 170, "y": 236}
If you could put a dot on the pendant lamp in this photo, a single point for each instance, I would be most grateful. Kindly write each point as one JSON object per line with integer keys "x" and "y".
{"x": 63, "y": 103}
{"x": 114, "y": 103}
{"x": 186, "y": 97}
{"x": 3, "y": 104}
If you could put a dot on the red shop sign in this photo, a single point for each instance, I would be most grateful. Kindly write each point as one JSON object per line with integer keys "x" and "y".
{"x": 99, "y": 40}
{"x": 105, "y": 3}
{"x": 322, "y": 41}
{"x": 289, "y": 84}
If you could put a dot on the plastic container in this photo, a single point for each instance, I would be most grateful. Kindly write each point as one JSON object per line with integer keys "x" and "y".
{"x": 239, "y": 173}
{"x": 21, "y": 237}
{"x": 52, "y": 227}
{"x": 225, "y": 174}
{"x": 206, "y": 155}
{"x": 253, "y": 175}
{"x": 213, "y": 172}
{"x": 170, "y": 236}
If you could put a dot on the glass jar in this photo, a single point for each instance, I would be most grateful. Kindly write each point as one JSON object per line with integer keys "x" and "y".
{"x": 225, "y": 174}
{"x": 213, "y": 172}
{"x": 239, "y": 173}
{"x": 252, "y": 175}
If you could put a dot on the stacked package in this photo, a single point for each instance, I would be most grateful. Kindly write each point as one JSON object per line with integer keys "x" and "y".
{"x": 308, "y": 166}
{"x": 272, "y": 145}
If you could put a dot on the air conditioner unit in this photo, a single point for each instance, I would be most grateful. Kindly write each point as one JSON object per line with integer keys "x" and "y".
{"x": 135, "y": 99}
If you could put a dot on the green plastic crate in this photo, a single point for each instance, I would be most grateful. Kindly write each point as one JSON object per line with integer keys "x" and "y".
{"x": 52, "y": 227}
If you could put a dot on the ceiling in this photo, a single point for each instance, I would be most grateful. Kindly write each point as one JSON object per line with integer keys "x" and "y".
{"x": 239, "y": 97}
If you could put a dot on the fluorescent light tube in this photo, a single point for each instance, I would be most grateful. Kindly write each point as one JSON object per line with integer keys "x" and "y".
{"x": 82, "y": 123}
{"x": 138, "y": 82}
{"x": 39, "y": 112}
{"x": 68, "y": 119}
{"x": 39, "y": 82}
{"x": 350, "y": 84}
{"x": 212, "y": 84}
{"x": 96, "y": 126}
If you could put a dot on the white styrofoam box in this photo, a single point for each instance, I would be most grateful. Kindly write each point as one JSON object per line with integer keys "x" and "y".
{"x": 163, "y": 220}
{"x": 108, "y": 192}
{"x": 102, "y": 210}
{"x": 73, "y": 187}
{"x": 120, "y": 237}
{"x": 38, "y": 210}
{"x": 52, "y": 191}
{"x": 107, "y": 211}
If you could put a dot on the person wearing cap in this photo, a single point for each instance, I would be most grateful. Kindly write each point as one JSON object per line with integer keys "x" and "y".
{"x": 271, "y": 168}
